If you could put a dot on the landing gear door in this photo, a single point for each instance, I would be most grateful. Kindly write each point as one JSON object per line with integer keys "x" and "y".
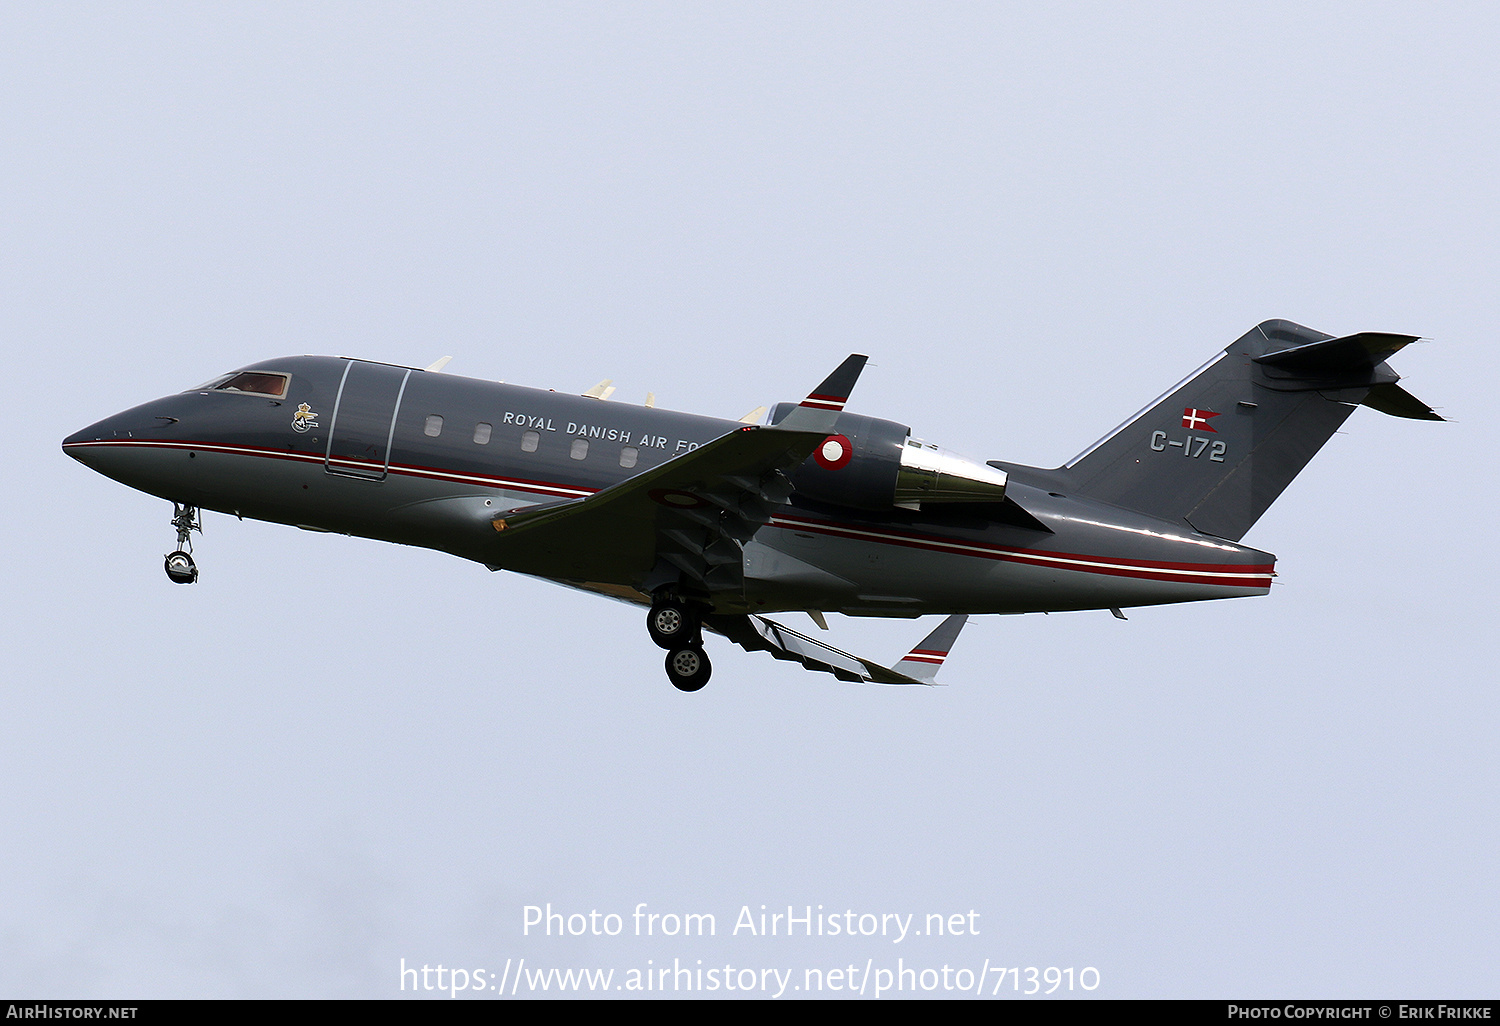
{"x": 364, "y": 420}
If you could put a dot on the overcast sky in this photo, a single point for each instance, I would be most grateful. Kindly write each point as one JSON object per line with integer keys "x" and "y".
{"x": 332, "y": 754}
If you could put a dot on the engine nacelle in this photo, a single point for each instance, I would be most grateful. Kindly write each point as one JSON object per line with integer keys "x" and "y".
{"x": 875, "y": 464}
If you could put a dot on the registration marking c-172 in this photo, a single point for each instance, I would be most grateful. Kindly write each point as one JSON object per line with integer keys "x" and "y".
{"x": 1192, "y": 446}
{"x": 716, "y": 525}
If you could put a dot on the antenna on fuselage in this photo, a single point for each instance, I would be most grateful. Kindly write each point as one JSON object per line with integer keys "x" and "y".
{"x": 437, "y": 365}
{"x": 603, "y": 390}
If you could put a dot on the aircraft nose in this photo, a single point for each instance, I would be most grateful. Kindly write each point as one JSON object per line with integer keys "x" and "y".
{"x": 106, "y": 446}
{"x": 92, "y": 433}
{"x": 85, "y": 445}
{"x": 82, "y": 445}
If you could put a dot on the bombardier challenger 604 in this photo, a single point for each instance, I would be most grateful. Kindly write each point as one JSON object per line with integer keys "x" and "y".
{"x": 713, "y": 524}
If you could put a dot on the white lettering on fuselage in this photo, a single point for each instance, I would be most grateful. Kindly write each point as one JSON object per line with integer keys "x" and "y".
{"x": 608, "y": 434}
{"x": 527, "y": 420}
{"x": 599, "y": 431}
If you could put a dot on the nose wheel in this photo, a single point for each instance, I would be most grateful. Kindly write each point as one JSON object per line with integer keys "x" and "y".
{"x": 181, "y": 569}
{"x": 179, "y": 565}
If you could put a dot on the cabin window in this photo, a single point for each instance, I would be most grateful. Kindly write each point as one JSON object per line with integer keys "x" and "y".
{"x": 580, "y": 449}
{"x": 434, "y": 426}
{"x": 628, "y": 456}
{"x": 529, "y": 440}
{"x": 482, "y": 434}
{"x": 254, "y": 383}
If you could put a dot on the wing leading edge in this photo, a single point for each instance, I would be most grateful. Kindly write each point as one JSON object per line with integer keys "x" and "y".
{"x": 700, "y": 507}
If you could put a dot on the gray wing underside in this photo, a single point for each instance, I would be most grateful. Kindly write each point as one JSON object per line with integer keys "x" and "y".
{"x": 758, "y": 634}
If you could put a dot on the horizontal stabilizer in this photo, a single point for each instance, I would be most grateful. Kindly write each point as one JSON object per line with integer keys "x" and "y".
{"x": 758, "y": 634}
{"x": 1398, "y": 402}
{"x": 1337, "y": 355}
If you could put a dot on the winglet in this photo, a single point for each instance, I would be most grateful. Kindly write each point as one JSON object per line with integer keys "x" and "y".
{"x": 926, "y": 659}
{"x": 821, "y": 408}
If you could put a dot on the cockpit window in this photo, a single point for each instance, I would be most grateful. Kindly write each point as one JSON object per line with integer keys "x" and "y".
{"x": 252, "y": 382}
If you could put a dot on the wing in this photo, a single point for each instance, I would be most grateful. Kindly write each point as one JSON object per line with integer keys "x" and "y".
{"x": 684, "y": 522}
{"x": 758, "y": 634}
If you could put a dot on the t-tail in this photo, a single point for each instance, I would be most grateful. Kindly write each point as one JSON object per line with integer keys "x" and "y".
{"x": 1219, "y": 448}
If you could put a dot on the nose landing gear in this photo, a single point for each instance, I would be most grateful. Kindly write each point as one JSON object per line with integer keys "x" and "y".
{"x": 181, "y": 568}
{"x": 674, "y": 626}
{"x": 179, "y": 565}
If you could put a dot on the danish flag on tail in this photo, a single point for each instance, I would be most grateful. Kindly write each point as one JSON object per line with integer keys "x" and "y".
{"x": 927, "y": 658}
{"x": 1197, "y": 420}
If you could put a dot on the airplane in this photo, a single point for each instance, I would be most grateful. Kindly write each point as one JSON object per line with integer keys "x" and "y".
{"x": 714, "y": 524}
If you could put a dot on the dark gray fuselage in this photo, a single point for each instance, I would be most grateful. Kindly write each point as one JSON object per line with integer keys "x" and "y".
{"x": 431, "y": 459}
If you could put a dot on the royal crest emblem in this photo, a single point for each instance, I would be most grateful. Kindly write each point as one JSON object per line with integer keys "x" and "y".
{"x": 304, "y": 419}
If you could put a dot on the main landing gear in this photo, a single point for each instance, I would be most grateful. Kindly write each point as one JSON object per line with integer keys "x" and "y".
{"x": 674, "y": 626}
{"x": 688, "y": 668}
{"x": 179, "y": 565}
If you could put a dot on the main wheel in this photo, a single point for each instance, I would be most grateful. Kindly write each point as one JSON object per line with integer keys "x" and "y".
{"x": 180, "y": 568}
{"x": 670, "y": 625}
{"x": 688, "y": 668}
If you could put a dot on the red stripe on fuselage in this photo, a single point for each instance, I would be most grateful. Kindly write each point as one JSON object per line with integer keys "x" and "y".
{"x": 1234, "y": 575}
{"x": 404, "y": 469}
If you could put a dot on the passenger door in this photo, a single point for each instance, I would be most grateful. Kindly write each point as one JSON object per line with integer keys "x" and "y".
{"x": 364, "y": 420}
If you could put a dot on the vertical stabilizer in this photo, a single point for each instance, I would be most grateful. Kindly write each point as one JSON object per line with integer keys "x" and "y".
{"x": 1218, "y": 449}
